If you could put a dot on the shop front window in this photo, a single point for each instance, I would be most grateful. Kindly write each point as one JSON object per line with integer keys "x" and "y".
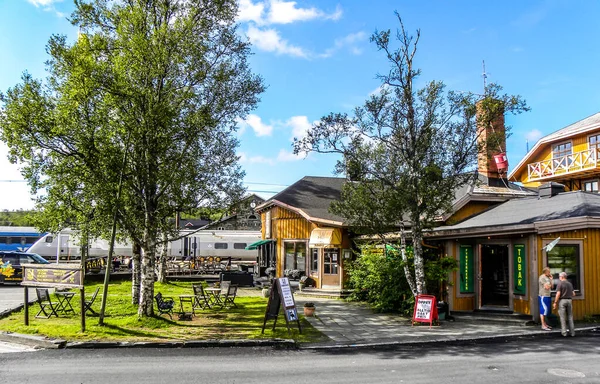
{"x": 295, "y": 257}
{"x": 565, "y": 257}
{"x": 330, "y": 261}
{"x": 314, "y": 260}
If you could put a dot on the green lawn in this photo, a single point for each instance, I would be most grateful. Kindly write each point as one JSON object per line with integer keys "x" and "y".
{"x": 122, "y": 322}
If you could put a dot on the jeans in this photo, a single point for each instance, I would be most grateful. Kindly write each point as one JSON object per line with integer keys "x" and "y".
{"x": 565, "y": 311}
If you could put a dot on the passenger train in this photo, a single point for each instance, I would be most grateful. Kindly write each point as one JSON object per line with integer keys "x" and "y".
{"x": 18, "y": 238}
{"x": 221, "y": 244}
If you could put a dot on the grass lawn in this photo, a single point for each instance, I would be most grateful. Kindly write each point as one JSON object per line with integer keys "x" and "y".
{"x": 121, "y": 322}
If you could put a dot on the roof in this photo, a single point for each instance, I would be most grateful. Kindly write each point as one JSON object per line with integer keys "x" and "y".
{"x": 529, "y": 214}
{"x": 582, "y": 126}
{"x": 481, "y": 190}
{"x": 310, "y": 197}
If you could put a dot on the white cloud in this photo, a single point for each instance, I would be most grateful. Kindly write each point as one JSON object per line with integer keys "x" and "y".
{"x": 285, "y": 12}
{"x": 534, "y": 135}
{"x": 288, "y": 156}
{"x": 300, "y": 125}
{"x": 249, "y": 11}
{"x": 349, "y": 41}
{"x": 270, "y": 41}
{"x": 43, "y": 3}
{"x": 245, "y": 159}
{"x": 255, "y": 122}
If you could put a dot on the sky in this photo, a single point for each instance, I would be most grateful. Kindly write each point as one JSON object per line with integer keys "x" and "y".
{"x": 316, "y": 58}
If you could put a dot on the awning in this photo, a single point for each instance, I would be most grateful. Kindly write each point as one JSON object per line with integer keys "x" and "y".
{"x": 325, "y": 237}
{"x": 258, "y": 244}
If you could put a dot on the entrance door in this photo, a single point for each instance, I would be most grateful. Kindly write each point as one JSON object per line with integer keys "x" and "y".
{"x": 494, "y": 278}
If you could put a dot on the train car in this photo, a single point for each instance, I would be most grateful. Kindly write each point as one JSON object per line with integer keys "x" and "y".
{"x": 220, "y": 244}
{"x": 18, "y": 238}
{"x": 67, "y": 246}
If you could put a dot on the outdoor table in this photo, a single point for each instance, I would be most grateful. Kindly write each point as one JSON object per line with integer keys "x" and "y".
{"x": 186, "y": 299}
{"x": 64, "y": 301}
{"x": 213, "y": 295}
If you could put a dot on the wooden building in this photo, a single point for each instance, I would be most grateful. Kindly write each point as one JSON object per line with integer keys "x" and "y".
{"x": 304, "y": 236}
{"x": 502, "y": 251}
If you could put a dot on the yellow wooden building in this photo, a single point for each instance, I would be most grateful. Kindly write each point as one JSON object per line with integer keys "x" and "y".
{"x": 502, "y": 251}
{"x": 302, "y": 237}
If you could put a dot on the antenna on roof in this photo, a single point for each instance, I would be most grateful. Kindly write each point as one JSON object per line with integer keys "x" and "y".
{"x": 484, "y": 75}
{"x": 527, "y": 145}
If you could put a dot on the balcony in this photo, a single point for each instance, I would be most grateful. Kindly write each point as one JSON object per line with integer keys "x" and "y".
{"x": 578, "y": 165}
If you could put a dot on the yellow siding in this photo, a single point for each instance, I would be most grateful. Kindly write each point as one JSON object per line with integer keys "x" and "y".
{"x": 468, "y": 210}
{"x": 521, "y": 305}
{"x": 590, "y": 305}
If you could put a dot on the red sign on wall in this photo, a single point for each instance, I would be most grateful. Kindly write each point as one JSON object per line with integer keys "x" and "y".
{"x": 425, "y": 309}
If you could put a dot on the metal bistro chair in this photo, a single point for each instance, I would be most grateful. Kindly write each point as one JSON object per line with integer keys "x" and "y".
{"x": 47, "y": 307}
{"x": 201, "y": 300}
{"x": 87, "y": 305}
{"x": 229, "y": 291}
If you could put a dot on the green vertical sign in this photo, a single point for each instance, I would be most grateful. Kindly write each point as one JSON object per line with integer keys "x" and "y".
{"x": 520, "y": 273}
{"x": 466, "y": 269}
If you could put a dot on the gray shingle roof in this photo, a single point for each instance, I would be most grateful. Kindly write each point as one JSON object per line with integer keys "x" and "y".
{"x": 532, "y": 210}
{"x": 313, "y": 195}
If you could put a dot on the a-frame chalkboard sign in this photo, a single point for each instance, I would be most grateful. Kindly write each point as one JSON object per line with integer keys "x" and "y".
{"x": 281, "y": 296}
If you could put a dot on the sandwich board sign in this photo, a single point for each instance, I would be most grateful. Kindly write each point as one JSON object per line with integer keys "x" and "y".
{"x": 425, "y": 309}
{"x": 281, "y": 296}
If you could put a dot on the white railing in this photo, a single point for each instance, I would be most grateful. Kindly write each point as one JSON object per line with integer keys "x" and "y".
{"x": 575, "y": 162}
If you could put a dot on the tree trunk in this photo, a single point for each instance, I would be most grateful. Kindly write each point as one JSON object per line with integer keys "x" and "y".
{"x": 146, "y": 307}
{"x": 407, "y": 272}
{"x": 136, "y": 275}
{"x": 162, "y": 262}
{"x": 417, "y": 236}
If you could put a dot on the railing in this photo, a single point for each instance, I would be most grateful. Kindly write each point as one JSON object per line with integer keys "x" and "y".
{"x": 563, "y": 165}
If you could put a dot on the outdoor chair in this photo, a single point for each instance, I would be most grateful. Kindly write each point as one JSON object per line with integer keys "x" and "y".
{"x": 87, "y": 305}
{"x": 229, "y": 296}
{"x": 164, "y": 304}
{"x": 201, "y": 301}
{"x": 47, "y": 307}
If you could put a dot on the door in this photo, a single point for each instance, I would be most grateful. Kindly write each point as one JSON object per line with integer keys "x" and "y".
{"x": 494, "y": 276}
{"x": 331, "y": 268}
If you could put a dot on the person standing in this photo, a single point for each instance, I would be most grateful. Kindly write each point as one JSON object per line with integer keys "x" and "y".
{"x": 544, "y": 298}
{"x": 564, "y": 296}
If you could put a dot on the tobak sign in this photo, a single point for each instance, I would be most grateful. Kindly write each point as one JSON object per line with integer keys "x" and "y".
{"x": 425, "y": 309}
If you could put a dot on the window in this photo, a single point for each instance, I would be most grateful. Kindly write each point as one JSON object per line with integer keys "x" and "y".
{"x": 49, "y": 239}
{"x": 220, "y": 245}
{"x": 239, "y": 245}
{"x": 590, "y": 186}
{"x": 565, "y": 257}
{"x": 295, "y": 255}
{"x": 560, "y": 153}
{"x": 314, "y": 259}
{"x": 330, "y": 261}
{"x": 594, "y": 143}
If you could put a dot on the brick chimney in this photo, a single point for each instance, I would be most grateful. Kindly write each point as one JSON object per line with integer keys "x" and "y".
{"x": 493, "y": 137}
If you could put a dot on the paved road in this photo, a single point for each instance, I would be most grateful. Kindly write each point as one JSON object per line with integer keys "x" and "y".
{"x": 545, "y": 360}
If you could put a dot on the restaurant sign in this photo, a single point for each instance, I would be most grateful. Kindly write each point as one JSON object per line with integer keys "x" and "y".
{"x": 519, "y": 275}
{"x": 52, "y": 275}
{"x": 466, "y": 269}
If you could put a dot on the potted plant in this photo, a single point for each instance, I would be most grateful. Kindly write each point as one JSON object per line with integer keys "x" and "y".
{"x": 309, "y": 309}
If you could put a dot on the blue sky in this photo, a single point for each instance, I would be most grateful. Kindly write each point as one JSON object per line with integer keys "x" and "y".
{"x": 316, "y": 58}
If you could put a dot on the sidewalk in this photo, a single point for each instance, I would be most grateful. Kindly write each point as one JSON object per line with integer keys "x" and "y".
{"x": 354, "y": 325}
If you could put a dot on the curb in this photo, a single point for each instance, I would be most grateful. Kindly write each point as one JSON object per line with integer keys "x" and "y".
{"x": 454, "y": 341}
{"x": 32, "y": 341}
{"x": 274, "y": 343}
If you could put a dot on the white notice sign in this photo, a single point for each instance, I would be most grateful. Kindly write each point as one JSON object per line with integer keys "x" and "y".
{"x": 423, "y": 310}
{"x": 286, "y": 292}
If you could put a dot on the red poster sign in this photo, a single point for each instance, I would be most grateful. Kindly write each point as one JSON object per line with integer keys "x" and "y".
{"x": 425, "y": 309}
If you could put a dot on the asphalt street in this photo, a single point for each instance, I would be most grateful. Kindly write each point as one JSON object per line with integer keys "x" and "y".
{"x": 524, "y": 360}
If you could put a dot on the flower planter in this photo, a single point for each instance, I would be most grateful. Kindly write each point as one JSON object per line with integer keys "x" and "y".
{"x": 309, "y": 311}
